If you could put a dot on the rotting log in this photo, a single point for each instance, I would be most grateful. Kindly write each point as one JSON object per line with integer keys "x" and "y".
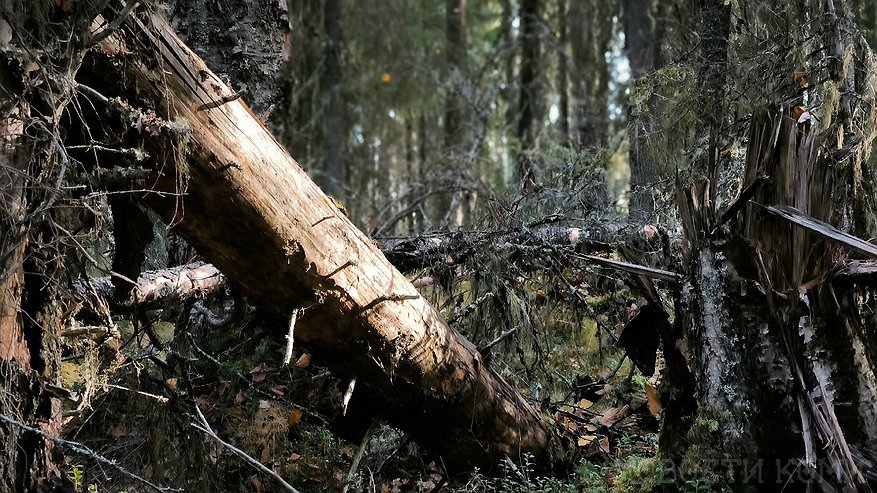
{"x": 253, "y": 212}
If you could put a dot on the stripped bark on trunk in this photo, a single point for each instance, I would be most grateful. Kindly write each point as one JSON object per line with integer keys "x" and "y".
{"x": 253, "y": 212}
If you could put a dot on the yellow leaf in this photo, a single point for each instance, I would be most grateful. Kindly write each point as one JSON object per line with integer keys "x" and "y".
{"x": 653, "y": 400}
{"x": 385, "y": 78}
{"x": 585, "y": 440}
{"x": 584, "y": 404}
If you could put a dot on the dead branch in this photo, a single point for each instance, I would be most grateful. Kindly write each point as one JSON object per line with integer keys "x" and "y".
{"x": 82, "y": 449}
{"x": 181, "y": 283}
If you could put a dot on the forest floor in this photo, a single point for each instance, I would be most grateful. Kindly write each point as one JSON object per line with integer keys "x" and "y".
{"x": 142, "y": 388}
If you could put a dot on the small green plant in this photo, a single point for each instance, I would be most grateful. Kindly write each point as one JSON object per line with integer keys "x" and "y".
{"x": 76, "y": 476}
{"x": 590, "y": 477}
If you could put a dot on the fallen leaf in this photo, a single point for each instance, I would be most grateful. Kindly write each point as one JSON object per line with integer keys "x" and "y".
{"x": 263, "y": 404}
{"x": 585, "y": 440}
{"x": 279, "y": 390}
{"x": 66, "y": 6}
{"x": 172, "y": 383}
{"x": 653, "y": 400}
{"x": 802, "y": 114}
{"x": 613, "y": 415}
{"x": 256, "y": 482}
{"x": 202, "y": 401}
{"x": 303, "y": 361}
{"x": 117, "y": 432}
{"x": 584, "y": 404}
{"x": 294, "y": 457}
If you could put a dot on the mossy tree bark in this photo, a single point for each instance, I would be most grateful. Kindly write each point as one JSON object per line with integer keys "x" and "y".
{"x": 779, "y": 392}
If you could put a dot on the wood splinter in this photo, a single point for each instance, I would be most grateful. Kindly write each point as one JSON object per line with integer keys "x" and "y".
{"x": 347, "y": 395}
{"x": 290, "y": 336}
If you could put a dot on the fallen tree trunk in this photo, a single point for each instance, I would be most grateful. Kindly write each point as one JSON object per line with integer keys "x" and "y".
{"x": 253, "y": 212}
{"x": 454, "y": 248}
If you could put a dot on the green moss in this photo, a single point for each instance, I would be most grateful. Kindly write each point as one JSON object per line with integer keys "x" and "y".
{"x": 704, "y": 455}
{"x": 639, "y": 476}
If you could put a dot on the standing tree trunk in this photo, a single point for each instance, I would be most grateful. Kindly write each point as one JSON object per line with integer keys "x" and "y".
{"x": 298, "y": 115}
{"x": 13, "y": 173}
{"x": 530, "y": 107}
{"x": 639, "y": 34}
{"x": 457, "y": 115}
{"x": 589, "y": 36}
{"x": 244, "y": 194}
{"x": 456, "y": 60}
{"x": 333, "y": 128}
{"x": 563, "y": 71}
{"x": 506, "y": 42}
